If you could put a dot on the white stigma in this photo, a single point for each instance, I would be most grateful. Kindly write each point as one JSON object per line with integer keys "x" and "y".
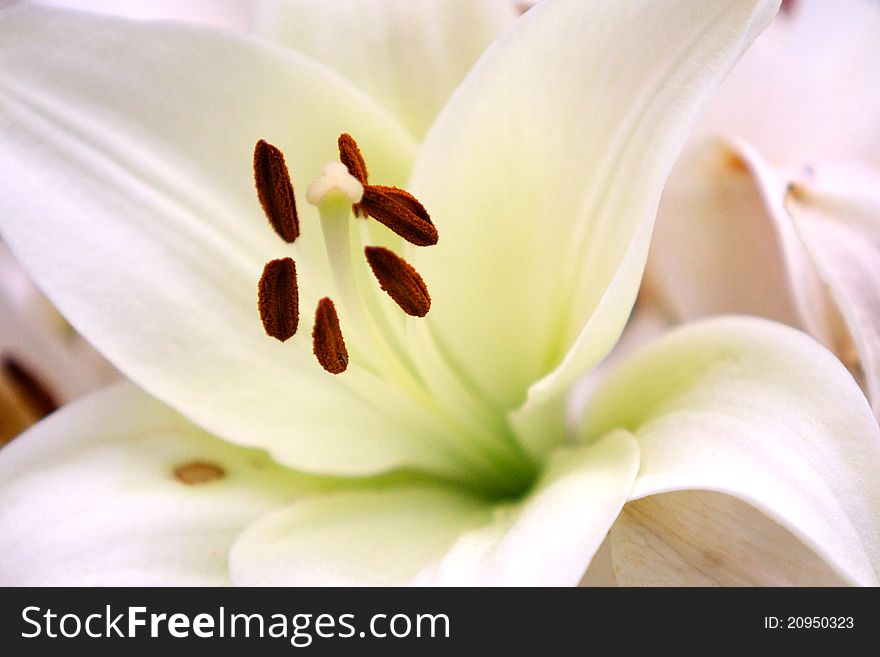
{"x": 335, "y": 180}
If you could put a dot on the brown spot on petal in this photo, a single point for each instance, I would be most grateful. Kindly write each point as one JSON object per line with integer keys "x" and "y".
{"x": 400, "y": 280}
{"x": 350, "y": 156}
{"x": 327, "y": 338}
{"x": 275, "y": 190}
{"x": 198, "y": 472}
{"x": 33, "y": 392}
{"x": 735, "y": 162}
{"x": 279, "y": 299}
{"x": 401, "y": 212}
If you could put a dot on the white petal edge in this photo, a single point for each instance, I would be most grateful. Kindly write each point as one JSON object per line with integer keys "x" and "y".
{"x": 90, "y": 497}
{"x": 761, "y": 412}
{"x": 421, "y": 534}
{"x": 702, "y": 538}
{"x": 543, "y": 173}
{"x": 130, "y": 199}
{"x": 407, "y": 55}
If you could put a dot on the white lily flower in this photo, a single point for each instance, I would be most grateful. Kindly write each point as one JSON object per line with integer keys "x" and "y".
{"x": 134, "y": 209}
{"x": 780, "y": 217}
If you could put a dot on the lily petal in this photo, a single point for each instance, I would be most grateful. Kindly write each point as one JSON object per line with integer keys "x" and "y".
{"x": 134, "y": 209}
{"x": 117, "y": 489}
{"x": 701, "y": 538}
{"x": 737, "y": 235}
{"x": 543, "y": 174}
{"x": 715, "y": 249}
{"x": 839, "y": 224}
{"x": 435, "y": 535}
{"x": 407, "y": 55}
{"x": 793, "y": 92}
{"x": 761, "y": 412}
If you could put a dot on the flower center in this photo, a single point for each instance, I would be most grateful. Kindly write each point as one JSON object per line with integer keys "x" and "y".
{"x": 341, "y": 185}
{"x": 391, "y": 358}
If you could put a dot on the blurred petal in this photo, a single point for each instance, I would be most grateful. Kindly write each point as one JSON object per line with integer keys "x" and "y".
{"x": 736, "y": 235}
{"x": 794, "y": 91}
{"x": 761, "y": 412}
{"x": 839, "y": 223}
{"x": 117, "y": 489}
{"x": 230, "y": 14}
{"x": 407, "y": 55}
{"x": 133, "y": 206}
{"x": 717, "y": 247}
{"x": 700, "y": 538}
{"x": 543, "y": 174}
{"x": 420, "y": 534}
{"x": 34, "y": 334}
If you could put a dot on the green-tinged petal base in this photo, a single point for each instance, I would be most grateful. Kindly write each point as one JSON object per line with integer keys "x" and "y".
{"x": 418, "y": 534}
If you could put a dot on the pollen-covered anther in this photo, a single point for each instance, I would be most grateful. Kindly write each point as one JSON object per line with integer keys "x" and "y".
{"x": 275, "y": 190}
{"x": 400, "y": 280}
{"x": 350, "y": 156}
{"x": 279, "y": 299}
{"x": 401, "y": 212}
{"x": 327, "y": 338}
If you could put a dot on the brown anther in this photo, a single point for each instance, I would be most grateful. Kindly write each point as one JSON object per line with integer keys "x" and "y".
{"x": 350, "y": 156}
{"x": 33, "y": 392}
{"x": 275, "y": 190}
{"x": 400, "y": 280}
{"x": 279, "y": 298}
{"x": 198, "y": 472}
{"x": 327, "y": 338}
{"x": 401, "y": 212}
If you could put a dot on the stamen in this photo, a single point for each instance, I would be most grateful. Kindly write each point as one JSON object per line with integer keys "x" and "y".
{"x": 400, "y": 280}
{"x": 279, "y": 299}
{"x": 327, "y": 338}
{"x": 401, "y": 212}
{"x": 35, "y": 394}
{"x": 275, "y": 190}
{"x": 350, "y": 156}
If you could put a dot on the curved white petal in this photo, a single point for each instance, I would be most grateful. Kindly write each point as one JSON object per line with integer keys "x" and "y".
{"x": 420, "y": 534}
{"x": 543, "y": 174}
{"x": 129, "y": 196}
{"x": 407, "y": 55}
{"x": 761, "y": 412}
{"x": 701, "y": 538}
{"x": 117, "y": 489}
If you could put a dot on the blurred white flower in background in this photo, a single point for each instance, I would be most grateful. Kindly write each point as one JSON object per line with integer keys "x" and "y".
{"x": 774, "y": 208}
